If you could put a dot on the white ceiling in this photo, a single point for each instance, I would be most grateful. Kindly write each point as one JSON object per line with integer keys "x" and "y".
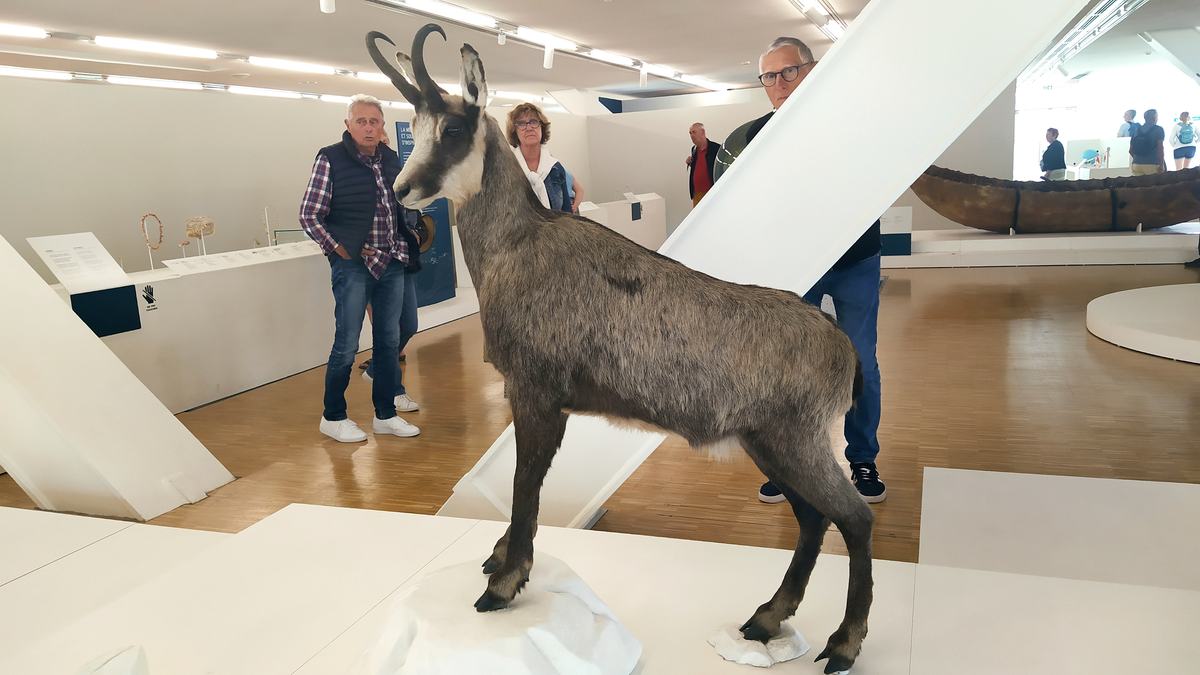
{"x": 716, "y": 39}
{"x": 1122, "y": 47}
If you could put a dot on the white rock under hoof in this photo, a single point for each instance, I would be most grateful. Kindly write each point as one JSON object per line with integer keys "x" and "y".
{"x": 556, "y": 626}
{"x": 730, "y": 644}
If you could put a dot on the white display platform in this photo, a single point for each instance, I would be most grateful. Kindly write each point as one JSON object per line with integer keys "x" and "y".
{"x": 649, "y": 231}
{"x": 991, "y": 623}
{"x": 34, "y": 539}
{"x": 977, "y": 248}
{"x": 306, "y": 590}
{"x": 1161, "y": 320}
{"x": 262, "y": 601}
{"x": 1090, "y": 529}
{"x": 226, "y": 323}
{"x": 89, "y": 578}
{"x": 673, "y": 594}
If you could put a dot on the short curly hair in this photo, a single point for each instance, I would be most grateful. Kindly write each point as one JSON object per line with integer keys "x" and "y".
{"x": 521, "y": 110}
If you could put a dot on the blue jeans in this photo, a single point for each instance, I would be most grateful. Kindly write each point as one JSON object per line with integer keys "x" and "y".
{"x": 353, "y": 288}
{"x": 408, "y": 328}
{"x": 855, "y": 293}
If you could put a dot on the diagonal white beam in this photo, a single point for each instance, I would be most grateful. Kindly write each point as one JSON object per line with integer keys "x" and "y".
{"x": 899, "y": 88}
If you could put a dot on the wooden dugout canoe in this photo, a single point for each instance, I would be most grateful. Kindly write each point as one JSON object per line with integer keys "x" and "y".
{"x": 1106, "y": 205}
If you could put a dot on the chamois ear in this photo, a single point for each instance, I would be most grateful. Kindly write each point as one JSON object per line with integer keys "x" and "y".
{"x": 474, "y": 84}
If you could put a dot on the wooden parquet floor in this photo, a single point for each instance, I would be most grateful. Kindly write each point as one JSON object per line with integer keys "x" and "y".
{"x": 988, "y": 369}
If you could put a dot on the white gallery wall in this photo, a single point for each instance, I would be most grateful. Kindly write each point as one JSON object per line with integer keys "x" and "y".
{"x": 94, "y": 157}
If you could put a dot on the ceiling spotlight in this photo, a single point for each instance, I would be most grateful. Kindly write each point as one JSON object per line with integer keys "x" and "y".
{"x": 327, "y": 6}
{"x": 501, "y": 38}
{"x": 548, "y": 58}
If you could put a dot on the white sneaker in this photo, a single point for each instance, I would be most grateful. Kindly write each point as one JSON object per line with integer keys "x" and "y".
{"x": 406, "y": 404}
{"x": 343, "y": 431}
{"x": 395, "y": 426}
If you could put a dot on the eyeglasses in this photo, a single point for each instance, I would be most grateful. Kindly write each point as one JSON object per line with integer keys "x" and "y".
{"x": 788, "y": 74}
{"x": 526, "y": 124}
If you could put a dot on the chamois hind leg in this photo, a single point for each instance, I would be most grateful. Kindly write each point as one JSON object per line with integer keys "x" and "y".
{"x": 539, "y": 431}
{"x": 819, "y": 492}
{"x": 829, "y": 492}
{"x": 765, "y": 622}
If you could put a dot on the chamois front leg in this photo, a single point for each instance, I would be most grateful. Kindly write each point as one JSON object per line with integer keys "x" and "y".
{"x": 539, "y": 432}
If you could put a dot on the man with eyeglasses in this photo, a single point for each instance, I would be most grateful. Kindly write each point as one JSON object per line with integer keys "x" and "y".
{"x": 852, "y": 282}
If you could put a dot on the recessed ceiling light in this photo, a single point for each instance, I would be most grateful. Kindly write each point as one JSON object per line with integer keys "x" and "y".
{"x": 153, "y": 47}
{"x": 373, "y": 77}
{"x": 256, "y": 91}
{"x": 18, "y": 30}
{"x": 609, "y": 57}
{"x": 545, "y": 39}
{"x": 152, "y": 82}
{"x": 35, "y": 73}
{"x": 452, "y": 12}
{"x": 296, "y": 66}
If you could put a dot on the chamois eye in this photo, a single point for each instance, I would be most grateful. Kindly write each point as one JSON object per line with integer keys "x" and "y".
{"x": 453, "y": 130}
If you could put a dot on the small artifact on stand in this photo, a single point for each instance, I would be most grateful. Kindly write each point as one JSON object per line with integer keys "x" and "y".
{"x": 151, "y": 246}
{"x": 183, "y": 246}
{"x": 200, "y": 227}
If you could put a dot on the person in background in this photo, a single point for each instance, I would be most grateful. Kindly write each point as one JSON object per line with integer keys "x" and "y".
{"x": 408, "y": 315}
{"x": 350, "y": 211}
{"x": 700, "y": 162}
{"x": 1128, "y": 128}
{"x": 528, "y": 133}
{"x": 1054, "y": 159}
{"x": 852, "y": 282}
{"x": 1146, "y": 147}
{"x": 1183, "y": 139}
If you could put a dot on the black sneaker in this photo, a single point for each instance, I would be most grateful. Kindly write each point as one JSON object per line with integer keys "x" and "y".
{"x": 364, "y": 365}
{"x": 769, "y": 494}
{"x": 866, "y": 479}
{"x": 1193, "y": 264}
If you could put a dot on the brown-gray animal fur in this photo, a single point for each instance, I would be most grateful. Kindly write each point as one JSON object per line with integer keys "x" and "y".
{"x": 578, "y": 318}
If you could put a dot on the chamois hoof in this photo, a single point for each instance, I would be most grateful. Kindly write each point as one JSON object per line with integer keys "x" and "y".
{"x": 837, "y": 663}
{"x": 492, "y": 564}
{"x": 753, "y": 631}
{"x": 490, "y": 602}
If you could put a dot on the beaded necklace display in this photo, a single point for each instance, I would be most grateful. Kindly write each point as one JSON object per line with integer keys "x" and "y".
{"x": 146, "y": 236}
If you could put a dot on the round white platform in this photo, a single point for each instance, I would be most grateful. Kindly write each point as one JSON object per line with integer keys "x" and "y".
{"x": 1161, "y": 320}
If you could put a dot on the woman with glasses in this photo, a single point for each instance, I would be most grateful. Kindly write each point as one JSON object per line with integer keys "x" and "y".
{"x": 528, "y": 132}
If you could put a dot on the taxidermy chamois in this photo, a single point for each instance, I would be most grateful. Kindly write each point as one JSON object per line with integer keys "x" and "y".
{"x": 577, "y": 318}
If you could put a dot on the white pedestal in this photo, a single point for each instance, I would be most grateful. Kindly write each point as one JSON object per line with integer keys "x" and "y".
{"x": 80, "y": 432}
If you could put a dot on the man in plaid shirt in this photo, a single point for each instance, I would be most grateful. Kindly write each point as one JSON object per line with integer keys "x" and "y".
{"x": 349, "y": 209}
